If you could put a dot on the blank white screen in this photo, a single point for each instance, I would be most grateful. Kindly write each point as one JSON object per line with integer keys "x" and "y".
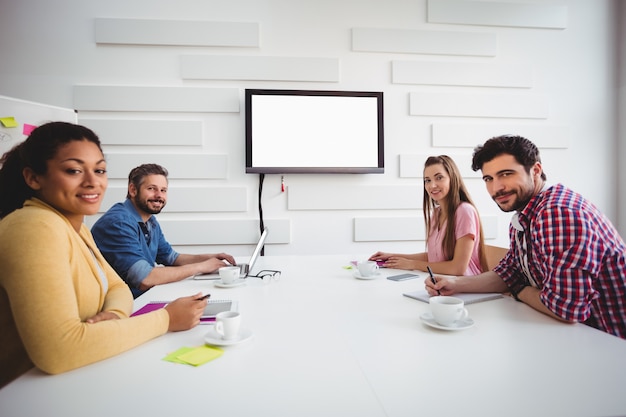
{"x": 314, "y": 131}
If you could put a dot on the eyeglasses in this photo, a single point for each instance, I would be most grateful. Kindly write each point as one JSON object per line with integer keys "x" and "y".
{"x": 267, "y": 275}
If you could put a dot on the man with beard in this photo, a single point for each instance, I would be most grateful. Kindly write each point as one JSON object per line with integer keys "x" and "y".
{"x": 565, "y": 260}
{"x": 130, "y": 237}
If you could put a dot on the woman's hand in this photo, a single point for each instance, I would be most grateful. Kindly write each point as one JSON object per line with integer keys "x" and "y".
{"x": 398, "y": 262}
{"x": 379, "y": 256}
{"x": 185, "y": 312}
{"x": 102, "y": 316}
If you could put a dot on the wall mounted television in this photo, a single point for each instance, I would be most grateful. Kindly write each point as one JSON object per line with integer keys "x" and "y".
{"x": 314, "y": 131}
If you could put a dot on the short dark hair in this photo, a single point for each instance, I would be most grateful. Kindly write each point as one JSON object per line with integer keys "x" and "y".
{"x": 138, "y": 174}
{"x": 523, "y": 150}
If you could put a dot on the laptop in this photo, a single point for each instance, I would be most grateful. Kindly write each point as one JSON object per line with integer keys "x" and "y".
{"x": 246, "y": 268}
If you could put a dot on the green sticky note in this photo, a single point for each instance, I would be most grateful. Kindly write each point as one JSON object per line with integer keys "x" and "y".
{"x": 200, "y": 355}
{"x": 173, "y": 357}
{"x": 194, "y": 356}
{"x": 8, "y": 121}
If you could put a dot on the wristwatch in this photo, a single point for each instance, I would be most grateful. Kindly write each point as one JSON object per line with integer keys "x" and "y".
{"x": 516, "y": 293}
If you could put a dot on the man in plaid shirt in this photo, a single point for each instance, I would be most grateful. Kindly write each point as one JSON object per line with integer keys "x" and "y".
{"x": 565, "y": 260}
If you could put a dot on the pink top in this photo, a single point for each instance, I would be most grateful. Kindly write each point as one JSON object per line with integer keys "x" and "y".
{"x": 467, "y": 222}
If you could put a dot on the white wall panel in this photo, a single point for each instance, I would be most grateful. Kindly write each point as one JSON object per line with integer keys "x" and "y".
{"x": 146, "y": 132}
{"x": 269, "y": 68}
{"x": 176, "y": 32}
{"x": 494, "y": 228}
{"x": 464, "y": 135}
{"x": 493, "y": 13}
{"x": 114, "y": 194}
{"x": 224, "y": 232}
{"x": 374, "y": 229}
{"x": 187, "y": 165}
{"x": 412, "y": 166}
{"x": 423, "y": 42}
{"x": 462, "y": 74}
{"x": 172, "y": 99}
{"x": 190, "y": 199}
{"x": 620, "y": 221}
{"x": 219, "y": 232}
{"x": 207, "y": 199}
{"x": 530, "y": 106}
{"x": 339, "y": 197}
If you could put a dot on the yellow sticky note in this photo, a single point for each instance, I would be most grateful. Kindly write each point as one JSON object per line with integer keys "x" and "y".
{"x": 8, "y": 121}
{"x": 194, "y": 356}
{"x": 173, "y": 357}
{"x": 201, "y": 355}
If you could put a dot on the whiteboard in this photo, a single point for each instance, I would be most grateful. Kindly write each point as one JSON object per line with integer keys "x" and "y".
{"x": 19, "y": 117}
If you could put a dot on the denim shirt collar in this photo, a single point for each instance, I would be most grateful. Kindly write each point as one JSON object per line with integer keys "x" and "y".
{"x": 133, "y": 210}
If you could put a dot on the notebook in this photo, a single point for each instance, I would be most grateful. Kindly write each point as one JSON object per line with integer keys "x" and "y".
{"x": 246, "y": 268}
{"x": 208, "y": 316}
{"x": 468, "y": 298}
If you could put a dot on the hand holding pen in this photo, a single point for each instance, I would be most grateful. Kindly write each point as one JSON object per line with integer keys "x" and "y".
{"x": 185, "y": 312}
{"x": 432, "y": 278}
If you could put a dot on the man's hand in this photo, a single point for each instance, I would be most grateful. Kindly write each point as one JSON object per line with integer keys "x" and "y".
{"x": 226, "y": 257}
{"x": 445, "y": 285}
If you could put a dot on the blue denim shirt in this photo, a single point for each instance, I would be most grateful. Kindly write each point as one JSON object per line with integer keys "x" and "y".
{"x": 130, "y": 246}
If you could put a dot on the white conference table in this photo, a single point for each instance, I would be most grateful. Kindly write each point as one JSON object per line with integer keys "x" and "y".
{"x": 327, "y": 344}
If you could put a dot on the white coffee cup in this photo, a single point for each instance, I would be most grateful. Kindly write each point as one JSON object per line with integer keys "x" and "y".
{"x": 229, "y": 274}
{"x": 367, "y": 268}
{"x": 447, "y": 310}
{"x": 227, "y": 324}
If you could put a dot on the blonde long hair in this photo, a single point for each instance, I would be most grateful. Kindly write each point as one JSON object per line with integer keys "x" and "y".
{"x": 457, "y": 194}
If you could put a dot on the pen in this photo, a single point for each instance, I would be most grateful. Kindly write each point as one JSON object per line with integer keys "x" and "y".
{"x": 432, "y": 277}
{"x": 204, "y": 297}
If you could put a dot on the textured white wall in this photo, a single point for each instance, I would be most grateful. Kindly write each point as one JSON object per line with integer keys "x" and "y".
{"x": 163, "y": 81}
{"x": 620, "y": 47}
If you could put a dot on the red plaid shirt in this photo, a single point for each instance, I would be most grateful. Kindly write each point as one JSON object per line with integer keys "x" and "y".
{"x": 575, "y": 257}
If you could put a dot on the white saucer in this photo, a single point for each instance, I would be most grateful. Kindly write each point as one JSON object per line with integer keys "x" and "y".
{"x": 236, "y": 283}
{"x": 460, "y": 325}
{"x": 214, "y": 338}
{"x": 358, "y": 275}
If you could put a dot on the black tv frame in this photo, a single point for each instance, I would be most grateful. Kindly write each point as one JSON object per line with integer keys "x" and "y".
{"x": 250, "y": 169}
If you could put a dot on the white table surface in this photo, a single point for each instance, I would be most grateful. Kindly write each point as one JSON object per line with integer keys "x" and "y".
{"x": 327, "y": 344}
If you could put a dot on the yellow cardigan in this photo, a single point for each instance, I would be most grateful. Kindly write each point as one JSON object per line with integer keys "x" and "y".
{"x": 53, "y": 285}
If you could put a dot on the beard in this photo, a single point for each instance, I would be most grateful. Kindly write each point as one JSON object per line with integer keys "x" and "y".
{"x": 150, "y": 206}
{"x": 517, "y": 199}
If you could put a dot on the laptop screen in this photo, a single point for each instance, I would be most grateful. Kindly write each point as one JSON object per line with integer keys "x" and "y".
{"x": 257, "y": 250}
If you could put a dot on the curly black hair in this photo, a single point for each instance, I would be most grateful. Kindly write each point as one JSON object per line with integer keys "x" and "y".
{"x": 41, "y": 145}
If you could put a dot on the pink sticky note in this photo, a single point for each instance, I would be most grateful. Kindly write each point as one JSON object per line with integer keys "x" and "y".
{"x": 28, "y": 129}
